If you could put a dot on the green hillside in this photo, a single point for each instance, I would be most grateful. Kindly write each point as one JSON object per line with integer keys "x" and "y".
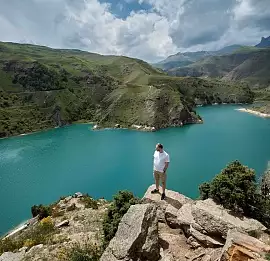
{"x": 248, "y": 64}
{"x": 42, "y": 88}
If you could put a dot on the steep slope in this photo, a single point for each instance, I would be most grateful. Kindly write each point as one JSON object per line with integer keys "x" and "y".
{"x": 253, "y": 70}
{"x": 248, "y": 64}
{"x": 265, "y": 42}
{"x": 42, "y": 88}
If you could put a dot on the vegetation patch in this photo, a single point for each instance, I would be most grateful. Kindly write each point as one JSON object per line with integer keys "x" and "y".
{"x": 39, "y": 234}
{"x": 235, "y": 188}
{"x": 82, "y": 252}
{"x": 41, "y": 211}
{"x": 89, "y": 202}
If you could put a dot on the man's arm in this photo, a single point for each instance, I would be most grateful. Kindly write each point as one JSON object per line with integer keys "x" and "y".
{"x": 167, "y": 161}
{"x": 166, "y": 166}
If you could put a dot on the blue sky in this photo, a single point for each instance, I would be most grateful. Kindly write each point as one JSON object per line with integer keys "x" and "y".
{"x": 122, "y": 9}
{"x": 147, "y": 29}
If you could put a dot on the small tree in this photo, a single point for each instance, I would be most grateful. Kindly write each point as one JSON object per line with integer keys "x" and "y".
{"x": 234, "y": 187}
{"x": 204, "y": 190}
{"x": 41, "y": 210}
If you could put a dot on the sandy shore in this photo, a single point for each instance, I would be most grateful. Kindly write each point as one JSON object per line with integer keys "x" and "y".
{"x": 260, "y": 114}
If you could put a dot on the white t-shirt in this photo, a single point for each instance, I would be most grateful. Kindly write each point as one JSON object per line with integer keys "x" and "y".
{"x": 160, "y": 159}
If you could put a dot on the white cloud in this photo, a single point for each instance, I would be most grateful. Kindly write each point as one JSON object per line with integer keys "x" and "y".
{"x": 169, "y": 26}
{"x": 87, "y": 25}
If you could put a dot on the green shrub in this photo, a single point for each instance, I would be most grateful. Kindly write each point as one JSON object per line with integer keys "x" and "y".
{"x": 9, "y": 245}
{"x": 234, "y": 187}
{"x": 84, "y": 252}
{"x": 267, "y": 256}
{"x": 41, "y": 210}
{"x": 89, "y": 202}
{"x": 204, "y": 190}
{"x": 120, "y": 205}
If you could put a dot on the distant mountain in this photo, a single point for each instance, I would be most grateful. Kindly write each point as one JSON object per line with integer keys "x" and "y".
{"x": 265, "y": 42}
{"x": 228, "y": 49}
{"x": 249, "y": 64}
{"x": 181, "y": 59}
{"x": 184, "y": 59}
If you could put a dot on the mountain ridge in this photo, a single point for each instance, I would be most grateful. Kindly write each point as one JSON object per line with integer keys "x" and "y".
{"x": 187, "y": 58}
{"x": 265, "y": 42}
{"x": 41, "y": 88}
{"x": 249, "y": 65}
{"x": 192, "y": 59}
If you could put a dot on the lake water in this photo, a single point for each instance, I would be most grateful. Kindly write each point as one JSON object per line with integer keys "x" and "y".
{"x": 41, "y": 167}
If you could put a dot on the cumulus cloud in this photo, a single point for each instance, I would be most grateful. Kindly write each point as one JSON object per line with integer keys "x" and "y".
{"x": 168, "y": 26}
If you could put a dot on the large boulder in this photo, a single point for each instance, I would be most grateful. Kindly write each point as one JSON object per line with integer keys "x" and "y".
{"x": 240, "y": 246}
{"x": 136, "y": 237}
{"x": 185, "y": 219}
{"x": 173, "y": 199}
{"x": 215, "y": 219}
{"x": 205, "y": 240}
{"x": 9, "y": 256}
{"x": 212, "y": 219}
{"x": 171, "y": 216}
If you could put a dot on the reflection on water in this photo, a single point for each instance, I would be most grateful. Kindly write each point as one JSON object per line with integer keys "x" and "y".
{"x": 7, "y": 154}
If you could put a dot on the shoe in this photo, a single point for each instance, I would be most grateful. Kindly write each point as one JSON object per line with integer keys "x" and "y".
{"x": 155, "y": 191}
{"x": 163, "y": 196}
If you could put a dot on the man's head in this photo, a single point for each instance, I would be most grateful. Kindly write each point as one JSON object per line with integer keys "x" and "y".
{"x": 159, "y": 147}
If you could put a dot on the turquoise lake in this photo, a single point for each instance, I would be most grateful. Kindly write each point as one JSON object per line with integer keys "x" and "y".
{"x": 41, "y": 167}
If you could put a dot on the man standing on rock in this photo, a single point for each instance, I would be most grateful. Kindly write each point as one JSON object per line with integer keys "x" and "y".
{"x": 161, "y": 164}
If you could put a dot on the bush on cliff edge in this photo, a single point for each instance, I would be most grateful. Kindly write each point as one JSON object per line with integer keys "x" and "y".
{"x": 235, "y": 188}
{"x": 120, "y": 205}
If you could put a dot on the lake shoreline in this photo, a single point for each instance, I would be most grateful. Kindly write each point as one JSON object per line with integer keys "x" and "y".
{"x": 96, "y": 127}
{"x": 33, "y": 132}
{"x": 133, "y": 127}
{"x": 257, "y": 113}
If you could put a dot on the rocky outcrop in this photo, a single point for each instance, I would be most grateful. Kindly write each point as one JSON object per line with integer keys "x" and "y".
{"x": 57, "y": 117}
{"x": 136, "y": 237}
{"x": 212, "y": 219}
{"x": 204, "y": 225}
{"x": 171, "y": 216}
{"x": 81, "y": 226}
{"x": 174, "y": 229}
{"x": 173, "y": 199}
{"x": 240, "y": 246}
{"x": 9, "y": 256}
{"x": 204, "y": 239}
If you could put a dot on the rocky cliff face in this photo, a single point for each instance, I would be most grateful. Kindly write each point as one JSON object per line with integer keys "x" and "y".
{"x": 136, "y": 237}
{"x": 174, "y": 229}
{"x": 186, "y": 230}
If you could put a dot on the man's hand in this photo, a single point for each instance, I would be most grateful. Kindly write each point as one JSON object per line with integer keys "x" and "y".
{"x": 166, "y": 166}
